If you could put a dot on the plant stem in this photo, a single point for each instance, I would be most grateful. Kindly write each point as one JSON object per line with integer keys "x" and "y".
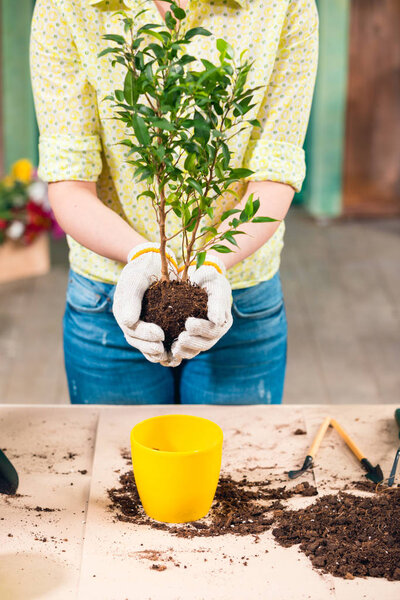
{"x": 163, "y": 238}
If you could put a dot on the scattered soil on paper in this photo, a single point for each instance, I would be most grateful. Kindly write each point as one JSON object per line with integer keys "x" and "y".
{"x": 299, "y": 432}
{"x": 70, "y": 456}
{"x": 347, "y": 535}
{"x": 169, "y": 303}
{"x": 343, "y": 534}
{"x": 157, "y": 567}
{"x": 239, "y": 508}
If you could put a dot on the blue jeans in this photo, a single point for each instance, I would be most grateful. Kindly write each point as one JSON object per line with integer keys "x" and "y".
{"x": 246, "y": 366}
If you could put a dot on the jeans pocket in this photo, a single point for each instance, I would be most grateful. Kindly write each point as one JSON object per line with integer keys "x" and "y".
{"x": 262, "y": 301}
{"x": 88, "y": 296}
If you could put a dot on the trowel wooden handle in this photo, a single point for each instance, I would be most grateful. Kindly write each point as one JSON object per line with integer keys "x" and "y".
{"x": 360, "y": 455}
{"x": 318, "y": 438}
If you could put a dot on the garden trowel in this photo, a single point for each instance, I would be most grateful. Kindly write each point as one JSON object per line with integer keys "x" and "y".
{"x": 397, "y": 457}
{"x": 373, "y": 473}
{"x": 8, "y": 476}
{"x": 309, "y": 460}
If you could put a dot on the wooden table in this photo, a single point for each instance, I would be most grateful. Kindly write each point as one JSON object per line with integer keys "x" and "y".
{"x": 78, "y": 551}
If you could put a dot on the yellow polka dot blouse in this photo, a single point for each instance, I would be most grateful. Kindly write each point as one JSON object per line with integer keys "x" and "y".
{"x": 79, "y": 140}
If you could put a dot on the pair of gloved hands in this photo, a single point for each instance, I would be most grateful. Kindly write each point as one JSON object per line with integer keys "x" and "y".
{"x": 143, "y": 268}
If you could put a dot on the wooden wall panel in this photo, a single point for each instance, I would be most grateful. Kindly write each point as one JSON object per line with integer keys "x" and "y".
{"x": 372, "y": 149}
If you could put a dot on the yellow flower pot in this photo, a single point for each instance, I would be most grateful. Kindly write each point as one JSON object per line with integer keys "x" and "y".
{"x": 176, "y": 462}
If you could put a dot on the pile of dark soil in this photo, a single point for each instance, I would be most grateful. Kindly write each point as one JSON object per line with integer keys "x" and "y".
{"x": 346, "y": 535}
{"x": 239, "y": 508}
{"x": 169, "y": 303}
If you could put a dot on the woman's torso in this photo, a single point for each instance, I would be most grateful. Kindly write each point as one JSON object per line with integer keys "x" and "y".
{"x": 255, "y": 27}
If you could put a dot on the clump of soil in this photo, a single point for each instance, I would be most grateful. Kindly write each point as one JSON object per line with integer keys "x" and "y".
{"x": 41, "y": 509}
{"x": 299, "y": 432}
{"x": 346, "y": 535}
{"x": 239, "y": 508}
{"x": 156, "y": 567}
{"x": 169, "y": 303}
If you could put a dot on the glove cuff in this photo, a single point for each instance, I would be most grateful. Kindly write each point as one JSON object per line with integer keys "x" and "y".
{"x": 147, "y": 247}
{"x": 210, "y": 261}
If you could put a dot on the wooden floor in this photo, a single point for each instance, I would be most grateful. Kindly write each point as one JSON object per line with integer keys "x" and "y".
{"x": 342, "y": 290}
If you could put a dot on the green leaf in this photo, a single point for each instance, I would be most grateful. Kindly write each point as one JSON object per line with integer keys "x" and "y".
{"x": 209, "y": 229}
{"x": 163, "y": 124}
{"x": 107, "y": 51}
{"x": 221, "y": 248}
{"x": 241, "y": 173}
{"x": 263, "y": 220}
{"x": 229, "y": 190}
{"x": 128, "y": 143}
{"x": 148, "y": 27}
{"x": 225, "y": 48}
{"x": 139, "y": 170}
{"x": 112, "y": 37}
{"x": 158, "y": 50}
{"x": 156, "y": 35}
{"x": 190, "y": 162}
{"x": 248, "y": 211}
{"x": 201, "y": 127}
{"x": 186, "y": 214}
{"x": 147, "y": 193}
{"x": 178, "y": 12}
{"x": 255, "y": 123}
{"x": 219, "y": 171}
{"x": 194, "y": 184}
{"x": 129, "y": 88}
{"x": 170, "y": 21}
{"x": 196, "y": 31}
{"x": 148, "y": 71}
{"x": 227, "y": 154}
{"x": 177, "y": 211}
{"x": 147, "y": 174}
{"x": 172, "y": 199}
{"x": 186, "y": 59}
{"x": 128, "y": 23}
{"x": 201, "y": 257}
{"x": 229, "y": 213}
{"x": 229, "y": 236}
{"x": 141, "y": 130}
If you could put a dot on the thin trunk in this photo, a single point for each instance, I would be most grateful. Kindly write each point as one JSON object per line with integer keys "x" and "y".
{"x": 185, "y": 273}
{"x": 189, "y": 250}
{"x": 163, "y": 239}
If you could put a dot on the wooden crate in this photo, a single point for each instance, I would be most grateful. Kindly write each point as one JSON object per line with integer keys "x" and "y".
{"x": 18, "y": 261}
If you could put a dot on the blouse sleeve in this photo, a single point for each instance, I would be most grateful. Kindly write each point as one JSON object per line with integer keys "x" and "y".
{"x": 65, "y": 102}
{"x": 275, "y": 150}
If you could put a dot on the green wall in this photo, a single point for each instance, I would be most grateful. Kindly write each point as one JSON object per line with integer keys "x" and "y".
{"x": 322, "y": 192}
{"x": 19, "y": 124}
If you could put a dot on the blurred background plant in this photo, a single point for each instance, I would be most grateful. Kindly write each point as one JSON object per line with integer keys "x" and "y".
{"x": 25, "y": 211}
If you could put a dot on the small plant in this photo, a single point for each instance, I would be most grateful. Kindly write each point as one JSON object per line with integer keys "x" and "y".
{"x": 180, "y": 113}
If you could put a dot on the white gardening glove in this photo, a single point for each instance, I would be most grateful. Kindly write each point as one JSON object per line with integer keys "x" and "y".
{"x": 201, "y": 334}
{"x": 143, "y": 268}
